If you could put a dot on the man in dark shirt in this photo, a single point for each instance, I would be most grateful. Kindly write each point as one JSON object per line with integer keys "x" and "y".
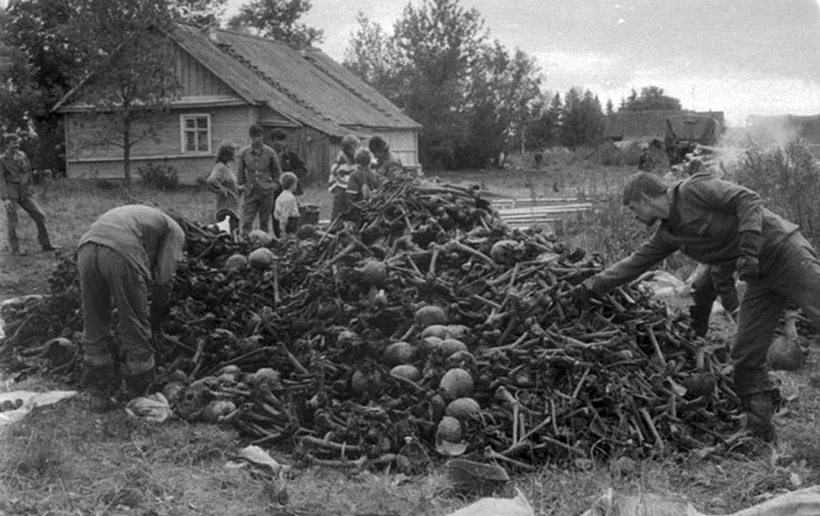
{"x": 718, "y": 222}
{"x": 258, "y": 177}
{"x": 388, "y": 166}
{"x": 290, "y": 161}
{"x": 17, "y": 189}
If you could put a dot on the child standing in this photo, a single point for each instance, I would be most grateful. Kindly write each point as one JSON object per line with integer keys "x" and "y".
{"x": 362, "y": 183}
{"x": 340, "y": 174}
{"x": 363, "y": 180}
{"x": 286, "y": 209}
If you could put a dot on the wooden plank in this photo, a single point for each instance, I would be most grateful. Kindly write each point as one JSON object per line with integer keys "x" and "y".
{"x": 566, "y": 208}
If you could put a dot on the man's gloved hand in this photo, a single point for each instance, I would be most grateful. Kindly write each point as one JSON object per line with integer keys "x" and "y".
{"x": 748, "y": 268}
{"x": 160, "y": 308}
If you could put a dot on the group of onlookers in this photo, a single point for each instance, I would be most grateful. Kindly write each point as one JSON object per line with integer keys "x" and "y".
{"x": 267, "y": 179}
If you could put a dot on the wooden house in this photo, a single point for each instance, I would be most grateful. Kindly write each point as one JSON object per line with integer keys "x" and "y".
{"x": 229, "y": 81}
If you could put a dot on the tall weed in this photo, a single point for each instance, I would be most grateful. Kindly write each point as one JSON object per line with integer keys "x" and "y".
{"x": 788, "y": 181}
{"x": 610, "y": 231}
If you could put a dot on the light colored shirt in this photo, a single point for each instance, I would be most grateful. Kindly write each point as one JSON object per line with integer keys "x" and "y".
{"x": 149, "y": 240}
{"x": 284, "y": 208}
{"x": 340, "y": 172}
{"x": 258, "y": 166}
{"x": 222, "y": 181}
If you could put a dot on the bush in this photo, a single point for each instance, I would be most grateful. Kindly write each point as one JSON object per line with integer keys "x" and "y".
{"x": 160, "y": 177}
{"x": 788, "y": 181}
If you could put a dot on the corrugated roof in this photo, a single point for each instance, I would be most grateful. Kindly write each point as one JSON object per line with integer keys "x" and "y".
{"x": 305, "y": 85}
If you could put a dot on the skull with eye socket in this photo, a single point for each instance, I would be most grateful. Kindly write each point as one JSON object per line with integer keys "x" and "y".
{"x": 194, "y": 400}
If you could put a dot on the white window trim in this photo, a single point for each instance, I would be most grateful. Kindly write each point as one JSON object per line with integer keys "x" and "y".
{"x": 182, "y": 119}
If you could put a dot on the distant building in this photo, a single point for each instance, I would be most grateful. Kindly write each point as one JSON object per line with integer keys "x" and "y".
{"x": 230, "y": 81}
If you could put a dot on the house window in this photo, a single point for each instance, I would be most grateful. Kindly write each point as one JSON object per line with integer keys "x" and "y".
{"x": 196, "y": 133}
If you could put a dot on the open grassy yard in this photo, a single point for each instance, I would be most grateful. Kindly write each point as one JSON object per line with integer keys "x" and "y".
{"x": 66, "y": 460}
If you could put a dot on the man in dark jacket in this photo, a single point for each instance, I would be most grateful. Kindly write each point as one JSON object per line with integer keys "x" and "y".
{"x": 290, "y": 161}
{"x": 17, "y": 189}
{"x": 718, "y": 222}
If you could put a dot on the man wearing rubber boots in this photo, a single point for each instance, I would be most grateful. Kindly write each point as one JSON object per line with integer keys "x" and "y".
{"x": 126, "y": 252}
{"x": 719, "y": 222}
{"x": 711, "y": 281}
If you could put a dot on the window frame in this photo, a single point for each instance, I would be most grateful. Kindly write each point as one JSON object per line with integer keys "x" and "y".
{"x": 183, "y": 118}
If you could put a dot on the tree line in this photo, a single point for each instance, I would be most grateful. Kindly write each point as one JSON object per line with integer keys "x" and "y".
{"x": 474, "y": 97}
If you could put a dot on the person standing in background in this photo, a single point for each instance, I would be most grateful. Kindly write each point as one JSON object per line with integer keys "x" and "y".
{"x": 388, "y": 166}
{"x": 258, "y": 177}
{"x": 340, "y": 172}
{"x": 290, "y": 161}
{"x": 222, "y": 181}
{"x": 17, "y": 189}
{"x": 286, "y": 210}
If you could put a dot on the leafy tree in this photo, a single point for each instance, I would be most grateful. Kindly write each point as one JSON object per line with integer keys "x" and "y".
{"x": 129, "y": 84}
{"x": 278, "y": 20}
{"x": 583, "y": 119}
{"x": 42, "y": 64}
{"x": 436, "y": 44}
{"x": 473, "y": 98}
{"x": 198, "y": 12}
{"x": 652, "y": 98}
{"x": 502, "y": 93}
{"x": 372, "y": 56}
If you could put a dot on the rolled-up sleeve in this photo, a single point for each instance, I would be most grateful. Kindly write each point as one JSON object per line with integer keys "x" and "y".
{"x": 170, "y": 254}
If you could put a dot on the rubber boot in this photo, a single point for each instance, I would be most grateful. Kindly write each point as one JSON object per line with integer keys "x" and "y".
{"x": 102, "y": 382}
{"x": 759, "y": 408}
{"x": 700, "y": 319}
{"x": 137, "y": 385}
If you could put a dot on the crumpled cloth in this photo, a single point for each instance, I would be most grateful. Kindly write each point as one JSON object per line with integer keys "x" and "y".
{"x": 153, "y": 408}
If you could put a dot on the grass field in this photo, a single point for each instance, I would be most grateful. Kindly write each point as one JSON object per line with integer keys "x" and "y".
{"x": 65, "y": 460}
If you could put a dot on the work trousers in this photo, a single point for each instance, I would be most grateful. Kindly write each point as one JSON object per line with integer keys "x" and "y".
{"x": 340, "y": 203}
{"x": 105, "y": 276}
{"x": 23, "y": 197}
{"x": 790, "y": 273}
{"x": 259, "y": 202}
{"x": 716, "y": 280}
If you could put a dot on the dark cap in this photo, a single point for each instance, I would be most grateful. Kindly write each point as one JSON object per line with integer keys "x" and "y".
{"x": 377, "y": 145}
{"x": 256, "y": 130}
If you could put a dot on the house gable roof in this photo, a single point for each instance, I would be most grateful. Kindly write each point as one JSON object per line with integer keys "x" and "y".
{"x": 305, "y": 86}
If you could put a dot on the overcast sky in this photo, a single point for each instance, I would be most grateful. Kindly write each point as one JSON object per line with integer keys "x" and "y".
{"x": 738, "y": 56}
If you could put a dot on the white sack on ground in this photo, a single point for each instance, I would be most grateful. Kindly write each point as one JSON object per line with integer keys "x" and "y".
{"x": 518, "y": 506}
{"x": 30, "y": 400}
{"x": 805, "y": 502}
{"x": 662, "y": 284}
